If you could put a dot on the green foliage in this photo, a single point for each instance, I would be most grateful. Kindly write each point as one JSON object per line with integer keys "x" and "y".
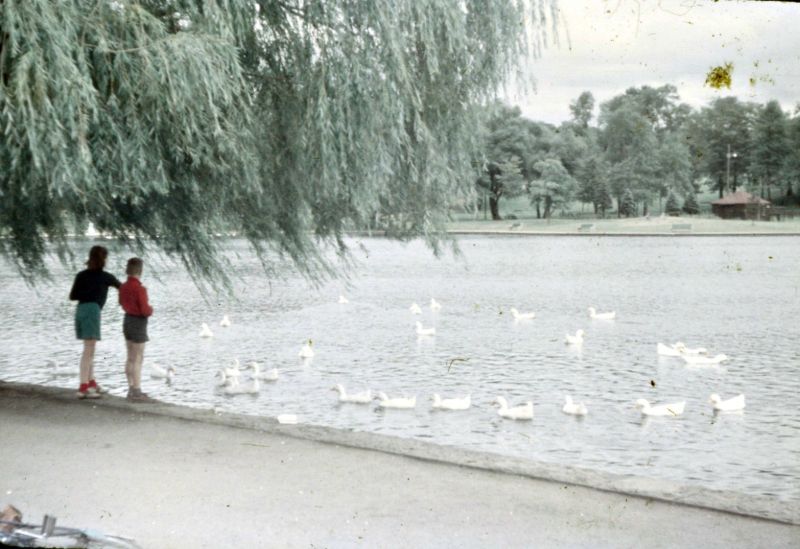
{"x": 554, "y": 185}
{"x": 770, "y": 144}
{"x": 627, "y": 205}
{"x": 582, "y": 110}
{"x": 672, "y": 207}
{"x": 690, "y": 205}
{"x": 164, "y": 122}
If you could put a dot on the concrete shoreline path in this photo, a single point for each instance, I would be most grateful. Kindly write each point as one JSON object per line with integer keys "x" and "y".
{"x": 171, "y": 476}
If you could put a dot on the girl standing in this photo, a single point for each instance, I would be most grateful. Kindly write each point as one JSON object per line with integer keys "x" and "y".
{"x": 90, "y": 290}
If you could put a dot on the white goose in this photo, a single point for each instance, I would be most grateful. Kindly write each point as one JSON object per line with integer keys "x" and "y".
{"x": 234, "y": 371}
{"x": 435, "y": 306}
{"x": 667, "y": 350}
{"x": 523, "y": 412}
{"x": 157, "y": 372}
{"x": 385, "y": 402}
{"x": 593, "y": 314}
{"x": 225, "y": 322}
{"x": 269, "y": 375}
{"x": 575, "y": 409}
{"x": 734, "y": 404}
{"x": 576, "y": 339}
{"x": 425, "y": 331}
{"x": 522, "y": 316}
{"x": 364, "y": 397}
{"x": 205, "y": 331}
{"x": 224, "y": 380}
{"x": 415, "y": 309}
{"x": 306, "y": 351}
{"x": 451, "y": 403}
{"x": 235, "y": 388}
{"x": 701, "y": 360}
{"x": 343, "y": 300}
{"x": 684, "y": 350}
{"x": 674, "y": 409}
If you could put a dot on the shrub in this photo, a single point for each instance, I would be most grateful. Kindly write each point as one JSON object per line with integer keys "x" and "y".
{"x": 690, "y": 205}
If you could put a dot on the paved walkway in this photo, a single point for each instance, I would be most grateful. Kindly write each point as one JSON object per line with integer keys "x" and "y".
{"x": 171, "y": 482}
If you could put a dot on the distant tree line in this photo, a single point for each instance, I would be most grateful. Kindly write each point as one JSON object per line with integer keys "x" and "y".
{"x": 644, "y": 147}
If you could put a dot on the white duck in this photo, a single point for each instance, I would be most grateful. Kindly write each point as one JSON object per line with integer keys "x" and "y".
{"x": 364, "y": 397}
{"x": 523, "y": 412}
{"x": 415, "y": 309}
{"x": 224, "y": 380}
{"x": 734, "y": 404}
{"x": 701, "y": 360}
{"x": 601, "y": 316}
{"x": 306, "y": 351}
{"x": 425, "y": 331}
{"x": 684, "y": 350}
{"x": 576, "y": 339}
{"x": 225, "y": 322}
{"x": 235, "y": 388}
{"x": 343, "y": 300}
{"x": 522, "y": 316}
{"x": 157, "y": 372}
{"x": 269, "y": 375}
{"x": 667, "y": 350}
{"x": 435, "y": 306}
{"x": 385, "y": 402}
{"x": 451, "y": 403}
{"x": 575, "y": 409}
{"x": 205, "y": 331}
{"x": 674, "y": 409}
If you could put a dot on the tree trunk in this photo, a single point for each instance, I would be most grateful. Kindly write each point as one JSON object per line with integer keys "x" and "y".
{"x": 644, "y": 209}
{"x": 493, "y": 205}
{"x": 538, "y": 210}
{"x": 548, "y": 204}
{"x": 720, "y": 185}
{"x": 619, "y": 206}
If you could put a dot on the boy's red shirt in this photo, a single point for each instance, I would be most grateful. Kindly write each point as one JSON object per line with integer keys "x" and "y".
{"x": 133, "y": 298}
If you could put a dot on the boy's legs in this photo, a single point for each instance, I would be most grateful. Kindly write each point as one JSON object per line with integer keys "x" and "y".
{"x": 137, "y": 368}
{"x": 130, "y": 363}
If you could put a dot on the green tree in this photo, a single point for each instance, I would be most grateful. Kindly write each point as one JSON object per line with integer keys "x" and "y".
{"x": 791, "y": 171}
{"x": 582, "y": 110}
{"x": 672, "y": 207}
{"x": 690, "y": 205}
{"x": 554, "y": 185}
{"x": 602, "y": 197}
{"x": 627, "y": 205}
{"x": 165, "y": 121}
{"x": 770, "y": 146}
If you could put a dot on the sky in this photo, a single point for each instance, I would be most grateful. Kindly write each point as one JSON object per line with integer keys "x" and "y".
{"x": 607, "y": 46}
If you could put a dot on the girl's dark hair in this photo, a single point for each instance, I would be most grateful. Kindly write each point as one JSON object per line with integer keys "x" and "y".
{"x": 97, "y": 258}
{"x": 134, "y": 267}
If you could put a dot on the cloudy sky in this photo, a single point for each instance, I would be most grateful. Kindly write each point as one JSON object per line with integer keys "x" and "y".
{"x": 607, "y": 46}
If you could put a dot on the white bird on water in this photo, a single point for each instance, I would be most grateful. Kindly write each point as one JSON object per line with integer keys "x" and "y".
{"x": 234, "y": 371}
{"x": 522, "y": 412}
{"x": 684, "y": 350}
{"x": 601, "y": 316}
{"x": 425, "y": 331}
{"x": 364, "y": 397}
{"x": 435, "y": 306}
{"x": 415, "y": 309}
{"x": 269, "y": 375}
{"x": 451, "y": 403}
{"x": 225, "y": 322}
{"x": 573, "y": 408}
{"x": 157, "y": 372}
{"x": 522, "y": 316}
{"x": 343, "y": 300}
{"x": 674, "y": 409}
{"x": 398, "y": 402}
{"x": 235, "y": 388}
{"x": 205, "y": 331}
{"x": 306, "y": 351}
{"x": 667, "y": 350}
{"x": 576, "y": 339}
{"x": 734, "y": 404}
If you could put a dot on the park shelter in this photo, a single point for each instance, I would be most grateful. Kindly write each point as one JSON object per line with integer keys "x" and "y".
{"x": 741, "y": 205}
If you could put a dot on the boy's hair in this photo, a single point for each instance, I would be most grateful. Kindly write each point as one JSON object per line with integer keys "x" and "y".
{"x": 97, "y": 258}
{"x": 134, "y": 267}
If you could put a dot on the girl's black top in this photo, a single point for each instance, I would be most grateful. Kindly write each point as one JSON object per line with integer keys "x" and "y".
{"x": 91, "y": 286}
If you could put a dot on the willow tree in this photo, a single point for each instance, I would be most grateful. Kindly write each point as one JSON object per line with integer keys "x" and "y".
{"x": 164, "y": 122}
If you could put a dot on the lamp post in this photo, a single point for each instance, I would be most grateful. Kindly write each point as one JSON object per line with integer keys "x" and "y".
{"x": 728, "y": 166}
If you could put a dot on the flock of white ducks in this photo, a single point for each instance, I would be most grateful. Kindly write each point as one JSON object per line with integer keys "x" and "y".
{"x": 231, "y": 385}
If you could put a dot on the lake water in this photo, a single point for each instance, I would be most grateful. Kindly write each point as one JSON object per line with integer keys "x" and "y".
{"x": 738, "y": 296}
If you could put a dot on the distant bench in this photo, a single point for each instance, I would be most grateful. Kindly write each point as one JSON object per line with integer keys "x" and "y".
{"x": 586, "y": 227}
{"x": 681, "y": 227}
